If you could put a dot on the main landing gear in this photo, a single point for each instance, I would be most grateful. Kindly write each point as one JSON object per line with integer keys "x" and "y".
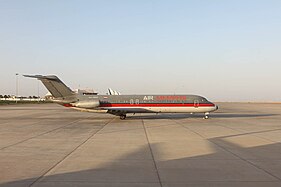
{"x": 123, "y": 116}
{"x": 206, "y": 115}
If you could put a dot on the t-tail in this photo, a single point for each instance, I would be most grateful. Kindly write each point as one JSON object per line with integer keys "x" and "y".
{"x": 60, "y": 92}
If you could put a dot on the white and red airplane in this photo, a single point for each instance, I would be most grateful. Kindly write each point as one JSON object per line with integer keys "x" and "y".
{"x": 121, "y": 105}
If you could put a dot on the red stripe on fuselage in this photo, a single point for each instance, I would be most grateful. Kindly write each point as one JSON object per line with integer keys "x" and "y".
{"x": 156, "y": 105}
{"x": 67, "y": 105}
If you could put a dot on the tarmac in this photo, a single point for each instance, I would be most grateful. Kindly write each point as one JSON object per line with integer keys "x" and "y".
{"x": 49, "y": 145}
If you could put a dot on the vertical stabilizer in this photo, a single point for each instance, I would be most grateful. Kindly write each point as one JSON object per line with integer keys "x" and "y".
{"x": 54, "y": 85}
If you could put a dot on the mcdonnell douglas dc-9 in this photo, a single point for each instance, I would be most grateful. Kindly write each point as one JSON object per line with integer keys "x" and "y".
{"x": 121, "y": 105}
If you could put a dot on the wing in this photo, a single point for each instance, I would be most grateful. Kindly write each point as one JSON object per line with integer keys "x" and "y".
{"x": 119, "y": 111}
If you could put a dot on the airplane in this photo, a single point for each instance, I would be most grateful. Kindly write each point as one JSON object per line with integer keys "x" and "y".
{"x": 121, "y": 105}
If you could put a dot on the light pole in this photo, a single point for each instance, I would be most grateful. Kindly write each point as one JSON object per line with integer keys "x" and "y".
{"x": 17, "y": 87}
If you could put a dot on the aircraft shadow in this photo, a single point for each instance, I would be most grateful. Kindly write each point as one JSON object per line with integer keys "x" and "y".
{"x": 196, "y": 116}
{"x": 229, "y": 115}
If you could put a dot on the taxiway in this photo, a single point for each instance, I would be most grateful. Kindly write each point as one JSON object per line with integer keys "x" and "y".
{"x": 49, "y": 145}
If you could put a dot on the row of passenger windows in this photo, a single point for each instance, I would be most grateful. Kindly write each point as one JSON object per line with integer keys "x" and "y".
{"x": 148, "y": 101}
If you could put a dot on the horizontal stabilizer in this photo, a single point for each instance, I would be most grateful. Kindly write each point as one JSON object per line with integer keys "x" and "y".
{"x": 50, "y": 77}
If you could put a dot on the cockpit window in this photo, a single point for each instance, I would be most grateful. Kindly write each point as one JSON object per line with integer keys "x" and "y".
{"x": 203, "y": 99}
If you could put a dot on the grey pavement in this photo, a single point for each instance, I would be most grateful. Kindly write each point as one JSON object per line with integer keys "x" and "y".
{"x": 49, "y": 145}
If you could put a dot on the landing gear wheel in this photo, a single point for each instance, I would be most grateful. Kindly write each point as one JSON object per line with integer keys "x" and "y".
{"x": 123, "y": 116}
{"x": 206, "y": 115}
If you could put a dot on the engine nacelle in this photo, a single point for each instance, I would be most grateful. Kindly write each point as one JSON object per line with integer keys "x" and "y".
{"x": 87, "y": 104}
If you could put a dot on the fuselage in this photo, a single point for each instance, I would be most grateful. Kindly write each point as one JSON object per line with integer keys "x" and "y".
{"x": 143, "y": 104}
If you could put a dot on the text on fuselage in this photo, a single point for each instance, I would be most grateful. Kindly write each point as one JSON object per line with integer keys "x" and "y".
{"x": 148, "y": 98}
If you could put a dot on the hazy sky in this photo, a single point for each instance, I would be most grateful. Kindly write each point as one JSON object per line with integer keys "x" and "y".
{"x": 223, "y": 50}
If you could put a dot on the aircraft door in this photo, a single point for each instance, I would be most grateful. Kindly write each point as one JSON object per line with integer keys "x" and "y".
{"x": 196, "y": 103}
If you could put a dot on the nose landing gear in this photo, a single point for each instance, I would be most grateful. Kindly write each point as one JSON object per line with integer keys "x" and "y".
{"x": 206, "y": 115}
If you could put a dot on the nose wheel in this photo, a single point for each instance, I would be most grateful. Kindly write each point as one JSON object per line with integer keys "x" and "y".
{"x": 123, "y": 116}
{"x": 206, "y": 115}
